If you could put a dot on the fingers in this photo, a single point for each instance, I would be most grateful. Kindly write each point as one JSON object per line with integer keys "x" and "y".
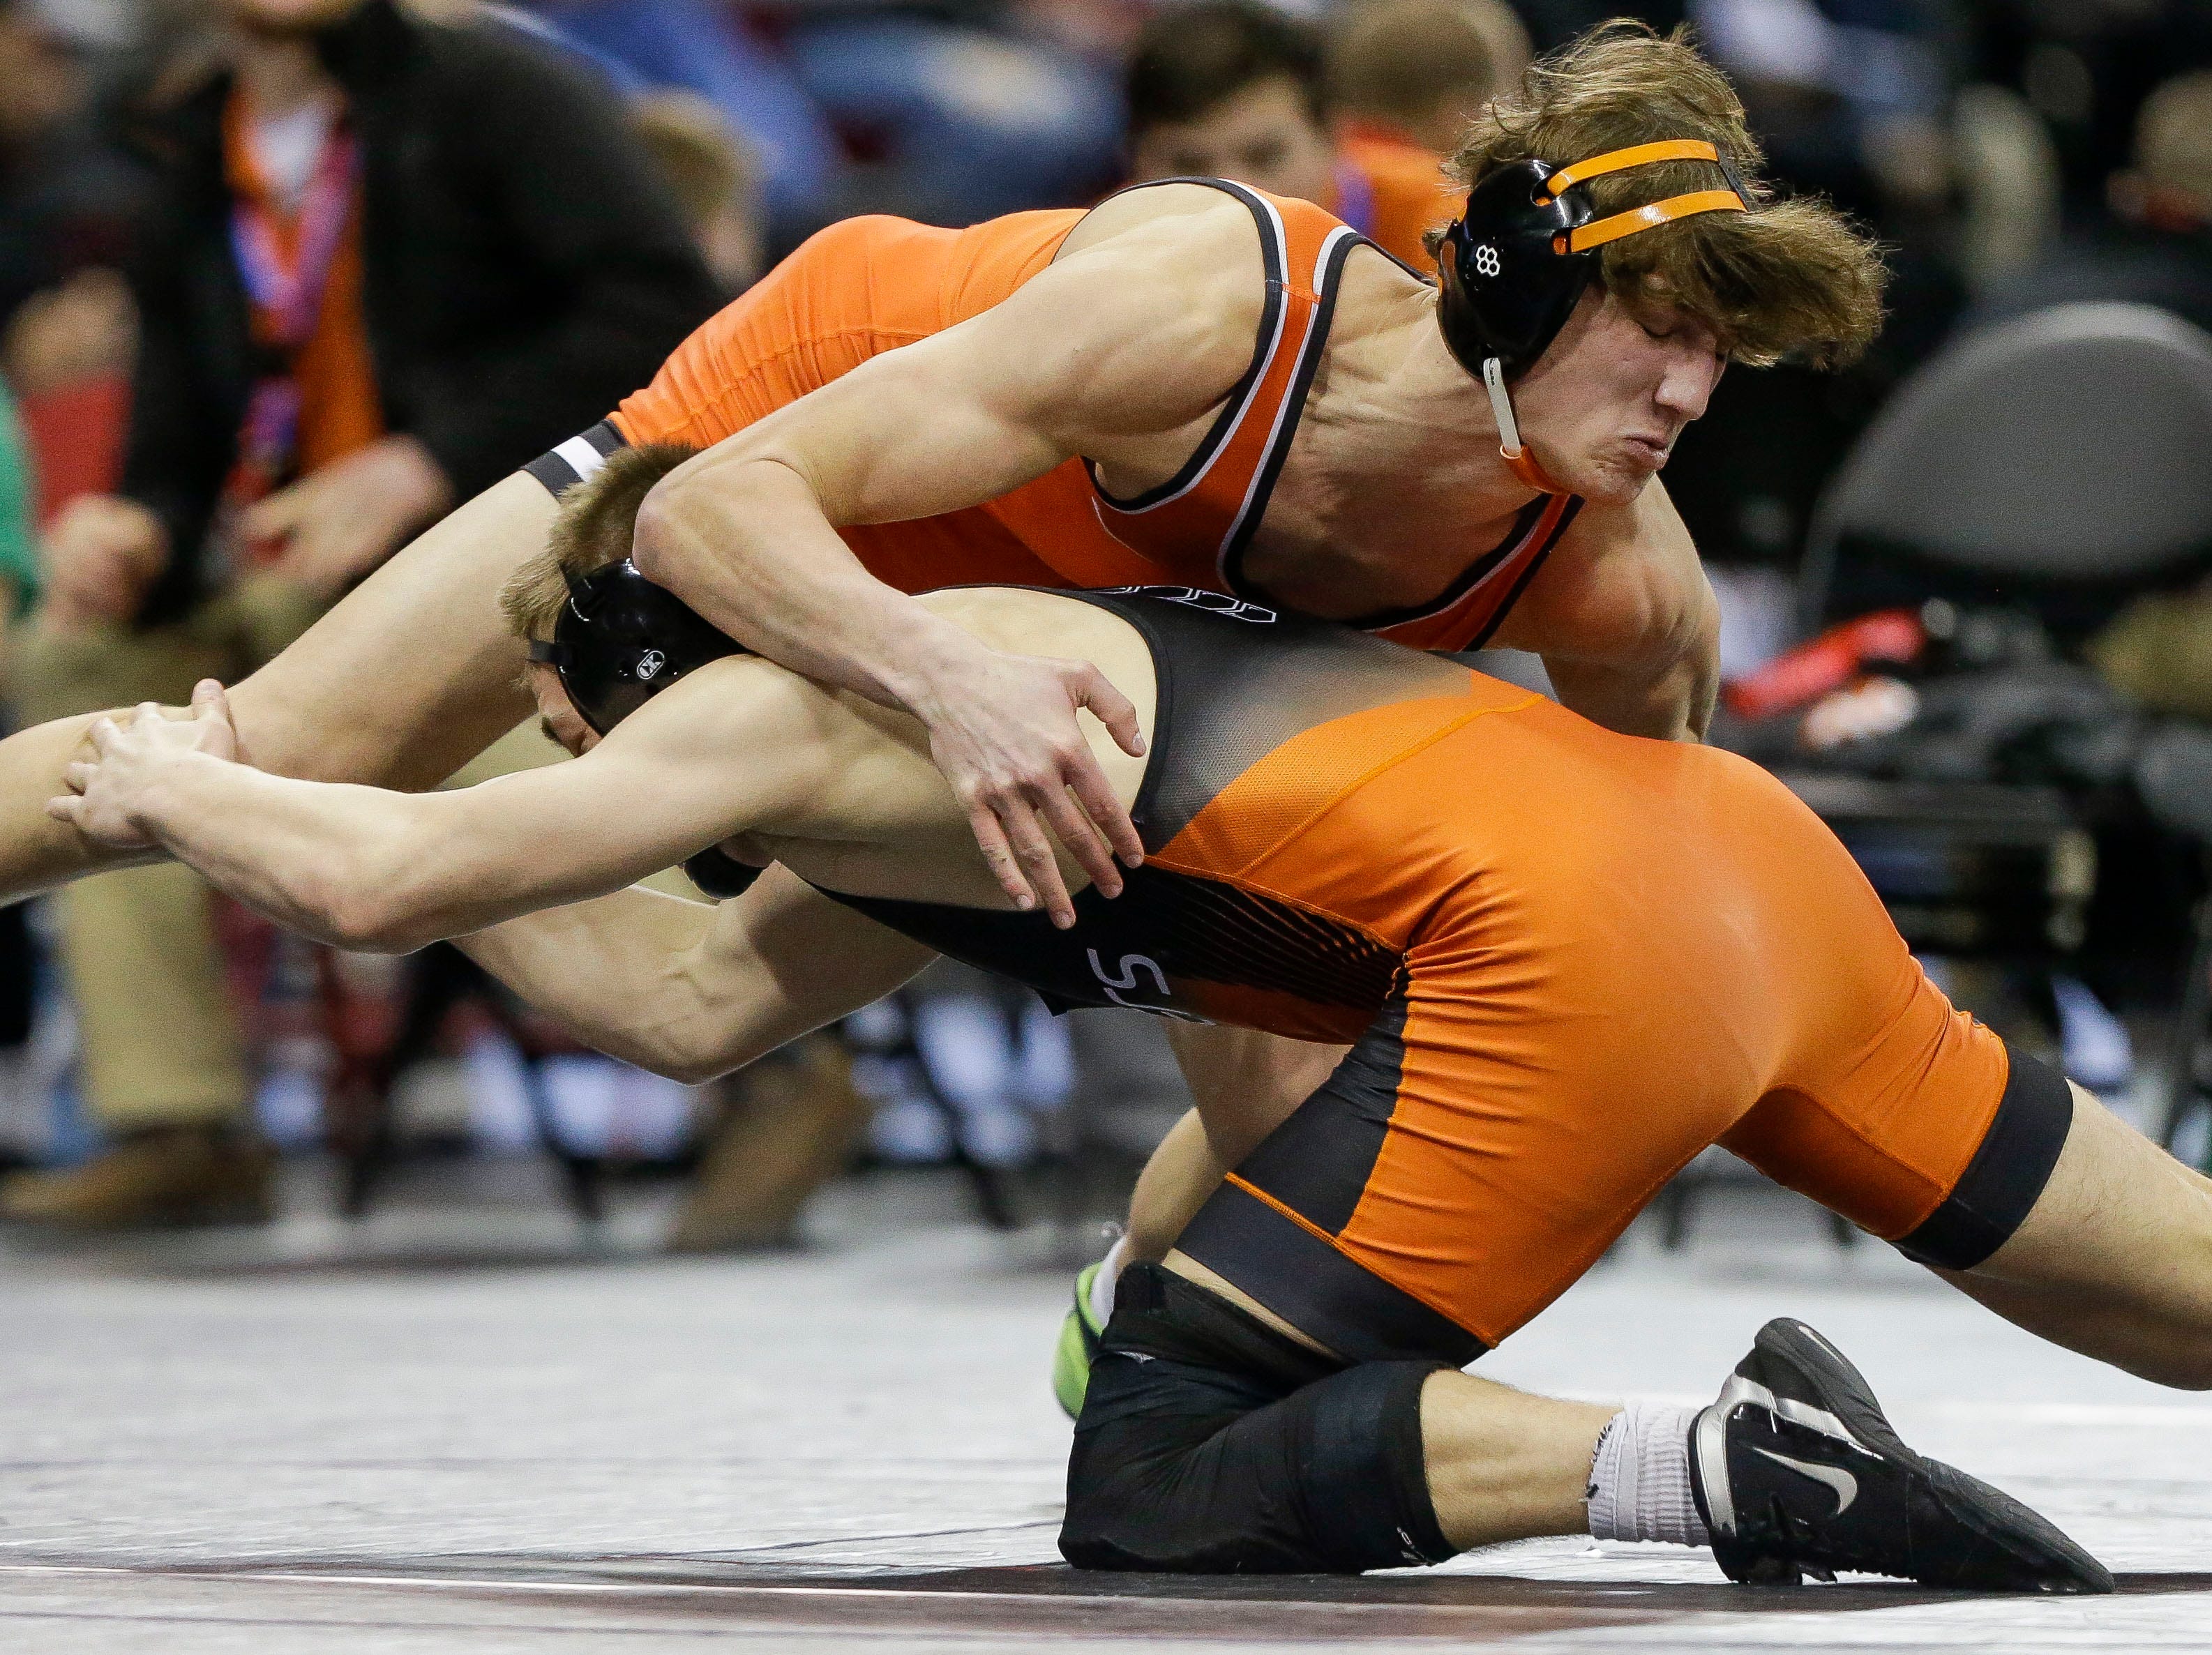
{"x": 68, "y": 808}
{"x": 1017, "y": 818}
{"x": 1112, "y": 708}
{"x": 1066, "y": 819}
{"x": 103, "y": 735}
{"x": 78, "y": 774}
{"x": 1107, "y": 813}
{"x": 998, "y": 856}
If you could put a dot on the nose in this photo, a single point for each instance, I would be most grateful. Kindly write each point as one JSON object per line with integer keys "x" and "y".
{"x": 1687, "y": 383}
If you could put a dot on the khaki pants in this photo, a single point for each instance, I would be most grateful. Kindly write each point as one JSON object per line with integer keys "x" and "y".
{"x": 160, "y": 1041}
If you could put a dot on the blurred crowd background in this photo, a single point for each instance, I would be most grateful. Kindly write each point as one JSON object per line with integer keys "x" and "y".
{"x": 586, "y": 179}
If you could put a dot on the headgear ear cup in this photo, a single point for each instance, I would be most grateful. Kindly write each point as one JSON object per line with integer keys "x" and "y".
{"x": 1514, "y": 264}
{"x": 621, "y": 641}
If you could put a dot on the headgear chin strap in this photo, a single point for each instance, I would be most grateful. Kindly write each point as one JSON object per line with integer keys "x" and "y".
{"x": 621, "y": 641}
{"x": 1516, "y": 260}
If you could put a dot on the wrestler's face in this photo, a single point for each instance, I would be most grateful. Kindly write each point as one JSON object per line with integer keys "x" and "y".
{"x": 1603, "y": 405}
{"x": 1265, "y": 135}
{"x": 556, "y": 716}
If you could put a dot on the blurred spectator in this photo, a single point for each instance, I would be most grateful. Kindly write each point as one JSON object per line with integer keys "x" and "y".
{"x": 714, "y": 180}
{"x": 1415, "y": 72}
{"x": 1227, "y": 88}
{"x": 956, "y": 122}
{"x": 384, "y": 262}
{"x": 693, "y": 46}
{"x": 64, "y": 198}
{"x": 2155, "y": 246}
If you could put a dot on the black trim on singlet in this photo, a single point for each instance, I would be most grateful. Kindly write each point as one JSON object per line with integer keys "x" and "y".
{"x": 1318, "y": 1290}
{"x": 1294, "y": 406}
{"x": 2002, "y": 1183}
{"x": 558, "y": 472}
{"x": 1274, "y": 249}
{"x": 1317, "y": 1162}
{"x": 1235, "y": 682}
{"x": 1237, "y": 679}
{"x": 1317, "y": 1165}
{"x": 1155, "y": 947}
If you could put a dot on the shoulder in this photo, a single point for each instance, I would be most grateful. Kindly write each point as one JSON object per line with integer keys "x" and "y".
{"x": 1199, "y": 229}
{"x": 1177, "y": 279}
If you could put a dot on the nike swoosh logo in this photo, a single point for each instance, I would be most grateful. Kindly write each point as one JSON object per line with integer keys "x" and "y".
{"x": 1845, "y": 1485}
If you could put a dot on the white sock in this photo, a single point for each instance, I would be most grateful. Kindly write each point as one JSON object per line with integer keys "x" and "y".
{"x": 1639, "y": 1485}
{"x": 1102, "y": 1285}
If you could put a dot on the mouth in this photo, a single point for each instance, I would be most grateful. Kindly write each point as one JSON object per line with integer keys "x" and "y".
{"x": 1650, "y": 452}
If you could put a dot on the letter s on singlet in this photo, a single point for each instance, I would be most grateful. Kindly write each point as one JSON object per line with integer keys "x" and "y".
{"x": 1130, "y": 965}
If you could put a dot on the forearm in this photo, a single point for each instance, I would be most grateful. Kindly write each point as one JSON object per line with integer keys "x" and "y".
{"x": 303, "y": 853}
{"x": 745, "y": 542}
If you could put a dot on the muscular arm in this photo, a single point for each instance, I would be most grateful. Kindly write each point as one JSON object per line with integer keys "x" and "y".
{"x": 692, "y": 991}
{"x": 1127, "y": 342}
{"x": 1074, "y": 361}
{"x": 738, "y": 745}
{"x": 1625, "y": 622}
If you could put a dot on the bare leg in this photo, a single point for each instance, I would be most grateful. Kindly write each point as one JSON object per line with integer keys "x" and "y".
{"x": 401, "y": 683}
{"x": 1504, "y": 1464}
{"x": 1175, "y": 1184}
{"x": 2115, "y": 1260}
{"x": 1246, "y": 1084}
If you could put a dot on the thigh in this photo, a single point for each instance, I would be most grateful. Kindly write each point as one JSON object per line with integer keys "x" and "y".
{"x": 414, "y": 671}
{"x": 1246, "y": 1084}
{"x": 2115, "y": 1258}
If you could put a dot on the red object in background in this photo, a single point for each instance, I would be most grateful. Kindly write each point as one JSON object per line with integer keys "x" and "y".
{"x": 1827, "y": 663}
{"x": 74, "y": 434}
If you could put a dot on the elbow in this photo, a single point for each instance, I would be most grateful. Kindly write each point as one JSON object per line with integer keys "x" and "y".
{"x": 363, "y": 911}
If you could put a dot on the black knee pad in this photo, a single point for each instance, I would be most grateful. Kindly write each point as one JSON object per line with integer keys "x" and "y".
{"x": 1211, "y": 1443}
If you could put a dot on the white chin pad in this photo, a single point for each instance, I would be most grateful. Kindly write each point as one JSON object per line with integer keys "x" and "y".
{"x": 1508, "y": 432}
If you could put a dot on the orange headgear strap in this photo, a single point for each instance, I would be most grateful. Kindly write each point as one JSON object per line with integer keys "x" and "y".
{"x": 1645, "y": 218}
{"x": 1642, "y": 218}
{"x": 1620, "y": 160}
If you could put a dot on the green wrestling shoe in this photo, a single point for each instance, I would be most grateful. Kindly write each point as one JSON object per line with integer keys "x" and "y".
{"x": 1078, "y": 1343}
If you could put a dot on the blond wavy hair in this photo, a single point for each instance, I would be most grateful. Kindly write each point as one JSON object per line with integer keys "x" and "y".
{"x": 596, "y": 522}
{"x": 1789, "y": 278}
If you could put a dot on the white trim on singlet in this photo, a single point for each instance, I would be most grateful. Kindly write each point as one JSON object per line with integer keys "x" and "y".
{"x": 1104, "y": 503}
{"x": 578, "y": 454}
{"x": 1283, "y": 410}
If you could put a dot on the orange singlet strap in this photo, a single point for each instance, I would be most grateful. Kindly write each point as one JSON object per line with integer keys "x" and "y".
{"x": 1619, "y": 161}
{"x": 1645, "y": 218}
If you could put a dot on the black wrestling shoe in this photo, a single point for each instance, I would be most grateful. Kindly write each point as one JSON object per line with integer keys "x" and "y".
{"x": 1796, "y": 1472}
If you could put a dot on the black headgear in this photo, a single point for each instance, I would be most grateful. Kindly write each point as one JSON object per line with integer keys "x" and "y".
{"x": 621, "y": 641}
{"x": 1514, "y": 263}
